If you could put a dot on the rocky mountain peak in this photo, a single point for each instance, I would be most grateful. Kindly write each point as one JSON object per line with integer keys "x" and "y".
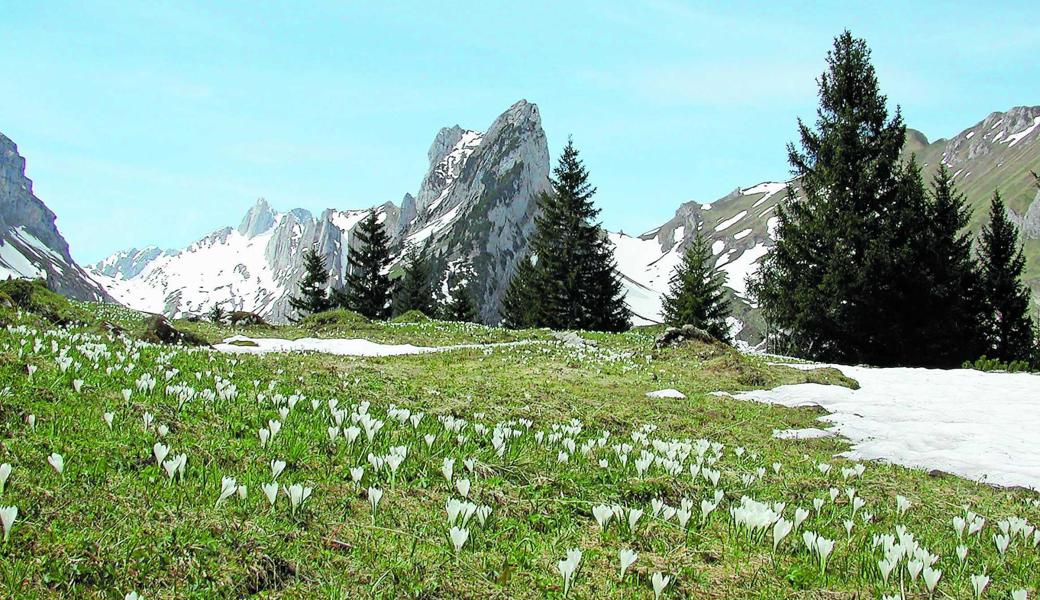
{"x": 258, "y": 219}
{"x": 30, "y": 243}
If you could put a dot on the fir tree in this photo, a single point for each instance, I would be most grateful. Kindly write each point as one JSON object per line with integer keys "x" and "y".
{"x": 414, "y": 289}
{"x": 839, "y": 283}
{"x": 216, "y": 313}
{"x": 1009, "y": 328}
{"x": 368, "y": 289}
{"x": 696, "y": 295}
{"x": 459, "y": 305}
{"x": 519, "y": 303}
{"x": 952, "y": 332}
{"x": 575, "y": 282}
{"x": 313, "y": 296}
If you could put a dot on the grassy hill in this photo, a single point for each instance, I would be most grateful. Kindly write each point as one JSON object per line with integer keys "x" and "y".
{"x": 527, "y": 427}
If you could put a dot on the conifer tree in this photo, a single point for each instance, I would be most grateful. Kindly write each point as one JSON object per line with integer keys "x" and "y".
{"x": 952, "y": 332}
{"x": 520, "y": 301}
{"x": 695, "y": 294}
{"x": 837, "y": 286}
{"x": 575, "y": 282}
{"x": 415, "y": 288}
{"x": 313, "y": 296}
{"x": 216, "y": 313}
{"x": 1009, "y": 328}
{"x": 459, "y": 305}
{"x": 368, "y": 289}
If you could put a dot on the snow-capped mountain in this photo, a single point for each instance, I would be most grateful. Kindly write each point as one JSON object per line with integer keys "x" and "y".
{"x": 996, "y": 153}
{"x": 30, "y": 244}
{"x": 474, "y": 209}
{"x": 473, "y": 213}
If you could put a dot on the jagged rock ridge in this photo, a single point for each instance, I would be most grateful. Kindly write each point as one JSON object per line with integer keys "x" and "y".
{"x": 473, "y": 213}
{"x": 30, "y": 244}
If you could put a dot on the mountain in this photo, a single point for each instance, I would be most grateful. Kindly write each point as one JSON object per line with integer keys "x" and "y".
{"x": 995, "y": 153}
{"x": 472, "y": 213}
{"x": 30, "y": 243}
{"x": 474, "y": 209}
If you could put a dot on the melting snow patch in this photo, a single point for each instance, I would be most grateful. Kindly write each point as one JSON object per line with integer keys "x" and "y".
{"x": 810, "y": 433}
{"x": 341, "y": 347}
{"x": 731, "y": 221}
{"x": 1014, "y": 139}
{"x": 977, "y": 425}
{"x": 669, "y": 393}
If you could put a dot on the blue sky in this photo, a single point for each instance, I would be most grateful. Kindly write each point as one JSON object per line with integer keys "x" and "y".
{"x": 155, "y": 123}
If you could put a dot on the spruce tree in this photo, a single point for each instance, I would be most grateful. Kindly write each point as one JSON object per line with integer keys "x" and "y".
{"x": 834, "y": 286}
{"x": 952, "y": 332}
{"x": 216, "y": 313}
{"x": 1009, "y": 328}
{"x": 459, "y": 305}
{"x": 575, "y": 280}
{"x": 519, "y": 303}
{"x": 368, "y": 289}
{"x": 313, "y": 296}
{"x": 695, "y": 293}
{"x": 415, "y": 288}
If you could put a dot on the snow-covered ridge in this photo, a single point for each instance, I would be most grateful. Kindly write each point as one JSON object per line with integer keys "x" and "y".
{"x": 256, "y": 266}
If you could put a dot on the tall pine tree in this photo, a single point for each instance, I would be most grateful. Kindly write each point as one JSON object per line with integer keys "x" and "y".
{"x": 952, "y": 331}
{"x": 415, "y": 288}
{"x": 841, "y": 282}
{"x": 518, "y": 305}
{"x": 574, "y": 282}
{"x": 696, "y": 295}
{"x": 313, "y": 294}
{"x": 1009, "y": 328}
{"x": 368, "y": 289}
{"x": 459, "y": 305}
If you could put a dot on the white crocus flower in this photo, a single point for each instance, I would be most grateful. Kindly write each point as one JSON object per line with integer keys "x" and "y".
{"x": 979, "y": 583}
{"x": 8, "y": 515}
{"x": 56, "y": 461}
{"x": 458, "y": 537}
{"x": 228, "y": 486}
{"x": 659, "y": 582}
{"x": 5, "y": 472}
{"x": 567, "y": 567}
{"x": 277, "y": 466}
{"x": 271, "y": 491}
{"x": 627, "y": 557}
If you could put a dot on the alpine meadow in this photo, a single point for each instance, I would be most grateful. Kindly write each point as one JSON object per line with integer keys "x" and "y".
{"x": 823, "y": 385}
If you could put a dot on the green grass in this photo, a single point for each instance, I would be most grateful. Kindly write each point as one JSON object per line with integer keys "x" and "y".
{"x": 114, "y": 522}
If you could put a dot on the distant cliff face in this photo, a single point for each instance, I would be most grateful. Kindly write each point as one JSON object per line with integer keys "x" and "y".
{"x": 30, "y": 244}
{"x": 473, "y": 213}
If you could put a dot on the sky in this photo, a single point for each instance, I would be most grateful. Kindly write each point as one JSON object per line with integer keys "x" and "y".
{"x": 158, "y": 122}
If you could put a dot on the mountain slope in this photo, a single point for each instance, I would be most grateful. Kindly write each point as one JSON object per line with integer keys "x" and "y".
{"x": 473, "y": 213}
{"x": 997, "y": 152}
{"x": 30, "y": 244}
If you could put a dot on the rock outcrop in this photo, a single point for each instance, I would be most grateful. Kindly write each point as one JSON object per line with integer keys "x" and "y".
{"x": 30, "y": 244}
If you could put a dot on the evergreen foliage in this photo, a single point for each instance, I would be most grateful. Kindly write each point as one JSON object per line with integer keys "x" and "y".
{"x": 696, "y": 295}
{"x": 216, "y": 313}
{"x": 368, "y": 290}
{"x": 867, "y": 267}
{"x": 415, "y": 287}
{"x": 459, "y": 305}
{"x": 313, "y": 296}
{"x": 1009, "y": 328}
{"x": 573, "y": 282}
{"x": 518, "y": 305}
